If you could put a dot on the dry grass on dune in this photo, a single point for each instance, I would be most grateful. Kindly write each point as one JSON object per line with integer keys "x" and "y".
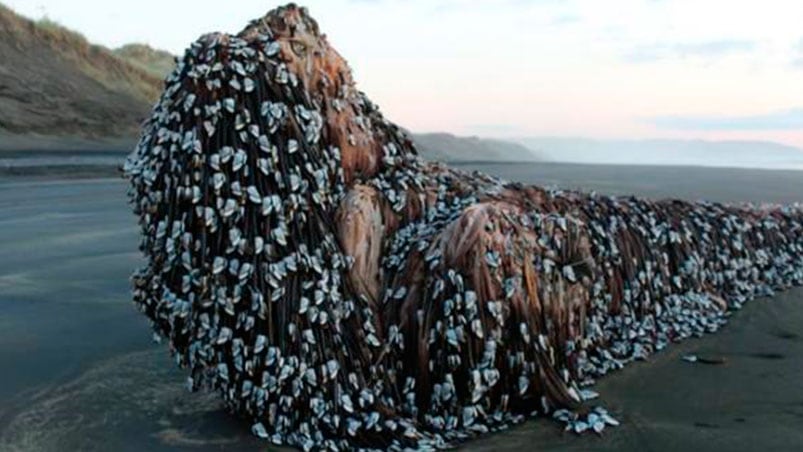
{"x": 54, "y": 81}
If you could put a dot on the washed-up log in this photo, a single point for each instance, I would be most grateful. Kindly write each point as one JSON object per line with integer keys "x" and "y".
{"x": 340, "y": 292}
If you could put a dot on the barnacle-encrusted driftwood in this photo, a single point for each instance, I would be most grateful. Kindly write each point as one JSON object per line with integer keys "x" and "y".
{"x": 340, "y": 292}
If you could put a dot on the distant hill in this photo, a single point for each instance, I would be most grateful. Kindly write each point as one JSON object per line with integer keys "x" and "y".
{"x": 157, "y": 62}
{"x": 54, "y": 82}
{"x": 745, "y": 154}
{"x": 447, "y": 147}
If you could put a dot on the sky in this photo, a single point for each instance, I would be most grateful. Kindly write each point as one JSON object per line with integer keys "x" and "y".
{"x": 624, "y": 69}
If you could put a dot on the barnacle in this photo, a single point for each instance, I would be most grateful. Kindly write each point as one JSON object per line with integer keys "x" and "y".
{"x": 341, "y": 292}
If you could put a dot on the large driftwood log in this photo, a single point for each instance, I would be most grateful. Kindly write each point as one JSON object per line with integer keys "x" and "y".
{"x": 341, "y": 292}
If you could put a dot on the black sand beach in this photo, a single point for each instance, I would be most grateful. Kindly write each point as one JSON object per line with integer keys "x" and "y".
{"x": 81, "y": 373}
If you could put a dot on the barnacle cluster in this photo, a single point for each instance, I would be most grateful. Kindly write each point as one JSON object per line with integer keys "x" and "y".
{"x": 340, "y": 292}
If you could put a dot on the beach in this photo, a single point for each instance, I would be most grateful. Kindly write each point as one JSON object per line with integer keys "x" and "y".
{"x": 82, "y": 373}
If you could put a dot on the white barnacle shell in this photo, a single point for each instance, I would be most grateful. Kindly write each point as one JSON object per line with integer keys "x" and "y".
{"x": 224, "y": 335}
{"x": 292, "y": 146}
{"x": 249, "y": 84}
{"x": 253, "y": 195}
{"x": 229, "y": 104}
{"x": 272, "y": 48}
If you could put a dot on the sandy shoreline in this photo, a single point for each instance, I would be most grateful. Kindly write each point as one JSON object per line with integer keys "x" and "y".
{"x": 83, "y": 374}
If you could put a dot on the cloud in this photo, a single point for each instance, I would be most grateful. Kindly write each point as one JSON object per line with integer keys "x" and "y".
{"x": 566, "y": 19}
{"x": 780, "y": 120}
{"x": 797, "y": 59}
{"x": 705, "y": 49}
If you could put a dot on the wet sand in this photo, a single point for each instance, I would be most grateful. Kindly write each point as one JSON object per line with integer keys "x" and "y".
{"x": 81, "y": 373}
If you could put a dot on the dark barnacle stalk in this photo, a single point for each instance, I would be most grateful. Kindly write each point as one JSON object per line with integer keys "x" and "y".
{"x": 340, "y": 292}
